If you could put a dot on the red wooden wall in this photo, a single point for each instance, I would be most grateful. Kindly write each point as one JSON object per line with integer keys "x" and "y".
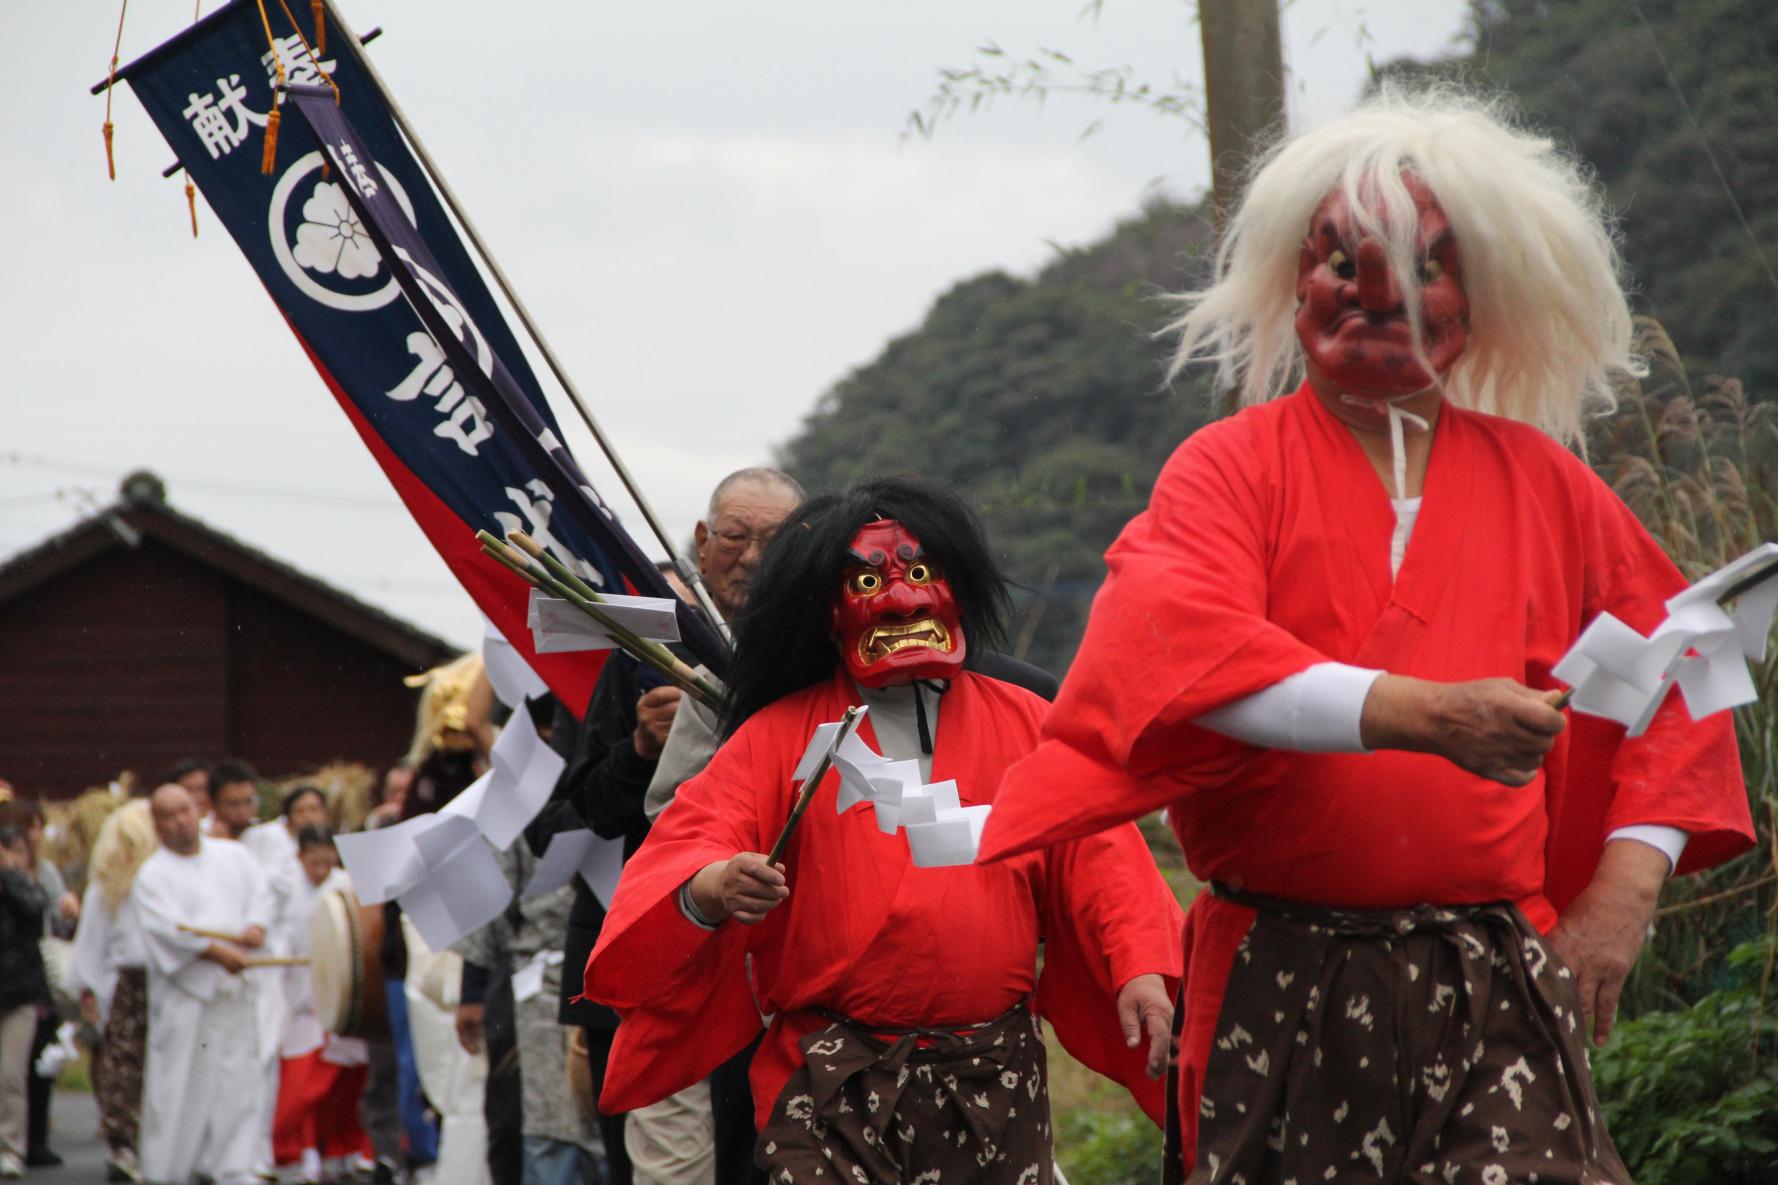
{"x": 138, "y": 657}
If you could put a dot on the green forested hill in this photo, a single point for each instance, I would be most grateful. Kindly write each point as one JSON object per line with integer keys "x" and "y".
{"x": 1043, "y": 398}
{"x": 1617, "y": 91}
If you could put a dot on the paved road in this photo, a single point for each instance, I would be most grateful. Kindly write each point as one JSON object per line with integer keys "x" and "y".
{"x": 74, "y": 1133}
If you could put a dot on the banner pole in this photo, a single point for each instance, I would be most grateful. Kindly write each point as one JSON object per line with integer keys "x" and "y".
{"x": 688, "y": 572}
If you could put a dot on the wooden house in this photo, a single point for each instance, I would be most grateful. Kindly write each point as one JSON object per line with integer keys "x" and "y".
{"x": 141, "y": 636}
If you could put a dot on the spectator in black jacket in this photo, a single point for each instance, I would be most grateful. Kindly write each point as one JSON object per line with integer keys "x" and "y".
{"x": 611, "y": 758}
{"x": 24, "y": 991}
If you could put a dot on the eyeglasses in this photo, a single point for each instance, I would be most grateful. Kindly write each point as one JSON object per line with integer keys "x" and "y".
{"x": 737, "y": 542}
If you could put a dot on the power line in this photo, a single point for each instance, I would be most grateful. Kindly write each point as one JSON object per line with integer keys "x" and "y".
{"x": 213, "y": 484}
{"x": 59, "y": 494}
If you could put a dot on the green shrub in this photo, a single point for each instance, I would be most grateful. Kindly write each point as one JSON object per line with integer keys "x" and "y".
{"x": 1691, "y": 1096}
{"x": 1109, "y": 1148}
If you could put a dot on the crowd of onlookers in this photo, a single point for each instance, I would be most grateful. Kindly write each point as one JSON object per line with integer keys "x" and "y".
{"x": 468, "y": 1083}
{"x": 34, "y": 904}
{"x": 190, "y": 921}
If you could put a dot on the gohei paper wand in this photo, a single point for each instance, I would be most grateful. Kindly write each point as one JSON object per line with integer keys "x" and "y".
{"x": 813, "y": 782}
{"x": 1702, "y": 646}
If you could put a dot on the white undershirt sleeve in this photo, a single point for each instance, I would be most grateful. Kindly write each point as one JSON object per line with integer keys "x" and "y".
{"x": 1313, "y": 711}
{"x": 689, "y": 907}
{"x": 1318, "y": 710}
{"x": 1670, "y": 841}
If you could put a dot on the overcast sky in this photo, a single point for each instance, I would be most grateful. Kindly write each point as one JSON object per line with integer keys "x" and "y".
{"x": 708, "y": 206}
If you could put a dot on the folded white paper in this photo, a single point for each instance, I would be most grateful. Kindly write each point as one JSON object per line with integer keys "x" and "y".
{"x": 1701, "y": 646}
{"x": 600, "y": 868}
{"x": 509, "y": 674}
{"x": 852, "y": 748}
{"x": 522, "y": 773}
{"x": 463, "y": 890}
{"x": 905, "y": 806}
{"x": 558, "y": 627}
{"x": 953, "y": 838}
{"x": 527, "y": 981}
{"x": 561, "y": 860}
{"x": 941, "y": 831}
{"x": 387, "y": 862}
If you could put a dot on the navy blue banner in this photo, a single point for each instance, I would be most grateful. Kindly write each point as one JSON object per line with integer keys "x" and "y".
{"x": 359, "y": 255}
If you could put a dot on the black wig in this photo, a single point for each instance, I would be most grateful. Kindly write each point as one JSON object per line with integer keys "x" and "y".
{"x": 783, "y": 638}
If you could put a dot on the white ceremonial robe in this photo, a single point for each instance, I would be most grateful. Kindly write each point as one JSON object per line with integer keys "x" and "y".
{"x": 105, "y": 942}
{"x": 275, "y": 850}
{"x": 455, "y": 1080}
{"x": 202, "y": 1087}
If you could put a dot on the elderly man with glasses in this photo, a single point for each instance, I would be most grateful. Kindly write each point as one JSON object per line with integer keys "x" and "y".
{"x": 613, "y": 754}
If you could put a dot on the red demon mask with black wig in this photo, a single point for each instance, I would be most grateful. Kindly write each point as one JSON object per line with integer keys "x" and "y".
{"x": 894, "y": 616}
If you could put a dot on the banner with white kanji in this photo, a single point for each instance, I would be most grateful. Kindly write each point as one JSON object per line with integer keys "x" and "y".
{"x": 463, "y": 452}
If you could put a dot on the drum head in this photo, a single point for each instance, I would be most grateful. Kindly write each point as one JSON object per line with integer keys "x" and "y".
{"x": 344, "y": 966}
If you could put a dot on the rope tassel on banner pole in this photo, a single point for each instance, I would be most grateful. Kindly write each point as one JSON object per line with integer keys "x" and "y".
{"x": 108, "y": 128}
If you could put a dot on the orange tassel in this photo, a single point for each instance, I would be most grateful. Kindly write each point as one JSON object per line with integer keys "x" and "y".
{"x": 320, "y": 11}
{"x": 269, "y": 161}
{"x": 191, "y": 202}
{"x": 110, "y": 160}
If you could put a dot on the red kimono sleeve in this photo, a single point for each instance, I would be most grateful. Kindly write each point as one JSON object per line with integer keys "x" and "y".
{"x": 1680, "y": 773}
{"x": 666, "y": 976}
{"x": 1107, "y": 917}
{"x": 1178, "y": 629}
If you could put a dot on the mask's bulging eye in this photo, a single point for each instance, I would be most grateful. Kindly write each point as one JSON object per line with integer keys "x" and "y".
{"x": 1431, "y": 270}
{"x": 921, "y": 573}
{"x": 865, "y": 583}
{"x": 1341, "y": 265}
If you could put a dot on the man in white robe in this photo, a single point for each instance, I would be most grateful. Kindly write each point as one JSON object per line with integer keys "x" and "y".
{"x": 201, "y": 1094}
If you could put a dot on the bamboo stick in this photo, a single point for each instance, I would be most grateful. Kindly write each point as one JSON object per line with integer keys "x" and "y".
{"x": 847, "y": 723}
{"x": 646, "y": 650}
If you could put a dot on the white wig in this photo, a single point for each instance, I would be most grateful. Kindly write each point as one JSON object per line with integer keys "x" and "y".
{"x": 1550, "y": 329}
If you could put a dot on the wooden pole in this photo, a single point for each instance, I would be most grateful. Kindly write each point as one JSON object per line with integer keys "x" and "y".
{"x": 1243, "y": 89}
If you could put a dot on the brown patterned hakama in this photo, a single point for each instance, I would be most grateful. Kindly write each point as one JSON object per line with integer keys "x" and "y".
{"x": 914, "y": 1107}
{"x": 1438, "y": 1046}
{"x": 117, "y": 1079}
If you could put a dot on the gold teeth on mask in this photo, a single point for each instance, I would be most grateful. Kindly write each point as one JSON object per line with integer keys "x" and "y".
{"x": 880, "y": 641}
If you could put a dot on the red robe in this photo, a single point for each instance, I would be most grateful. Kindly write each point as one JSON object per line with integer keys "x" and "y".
{"x": 1265, "y": 550}
{"x": 864, "y": 932}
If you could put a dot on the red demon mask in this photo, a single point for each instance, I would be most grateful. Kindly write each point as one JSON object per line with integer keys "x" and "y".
{"x": 1351, "y": 315}
{"x": 894, "y": 618}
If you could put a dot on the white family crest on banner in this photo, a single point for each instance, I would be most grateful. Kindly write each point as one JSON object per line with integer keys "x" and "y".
{"x": 329, "y": 241}
{"x": 1712, "y": 631}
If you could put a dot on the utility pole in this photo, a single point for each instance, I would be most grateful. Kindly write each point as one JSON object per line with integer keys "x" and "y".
{"x": 1243, "y": 89}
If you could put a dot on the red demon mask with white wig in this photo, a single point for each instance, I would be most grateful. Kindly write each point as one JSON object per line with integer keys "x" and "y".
{"x": 894, "y": 617}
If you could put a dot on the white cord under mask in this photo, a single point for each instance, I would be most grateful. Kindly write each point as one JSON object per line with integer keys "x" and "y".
{"x": 1398, "y": 452}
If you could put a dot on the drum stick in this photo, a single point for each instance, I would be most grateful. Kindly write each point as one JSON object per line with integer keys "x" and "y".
{"x": 217, "y": 935}
{"x": 274, "y": 961}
